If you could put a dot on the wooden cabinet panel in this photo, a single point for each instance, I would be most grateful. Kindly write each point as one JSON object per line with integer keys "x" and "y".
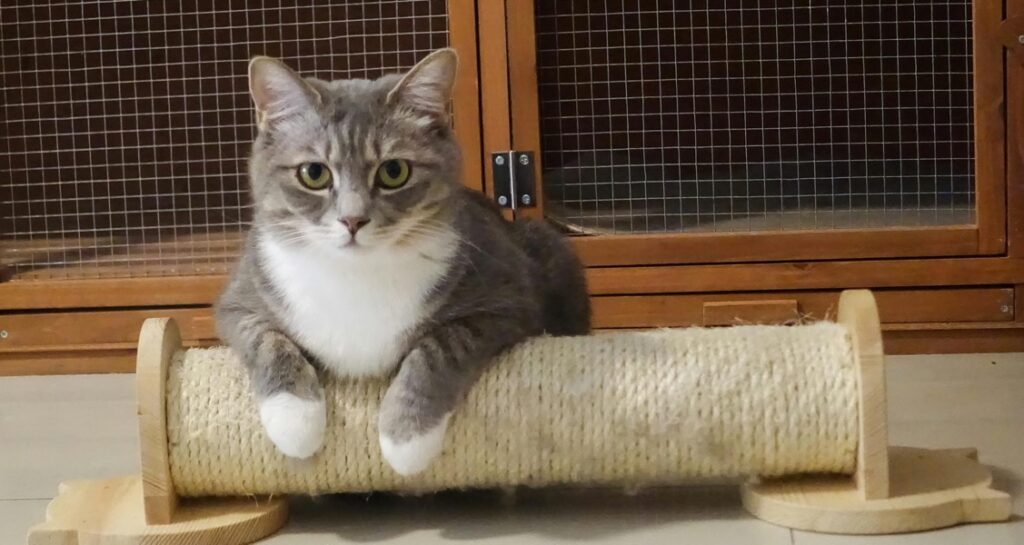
{"x": 702, "y": 248}
{"x": 56, "y": 343}
{"x": 111, "y": 292}
{"x": 722, "y": 313}
{"x": 806, "y": 275}
{"x": 102, "y": 330}
{"x": 68, "y": 362}
{"x": 896, "y": 306}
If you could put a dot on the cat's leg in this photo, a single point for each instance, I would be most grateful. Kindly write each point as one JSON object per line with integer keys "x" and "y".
{"x": 291, "y": 399}
{"x": 432, "y": 380}
{"x": 292, "y": 407}
{"x": 415, "y": 410}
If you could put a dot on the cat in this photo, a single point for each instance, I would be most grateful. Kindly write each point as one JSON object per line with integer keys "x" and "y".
{"x": 368, "y": 257}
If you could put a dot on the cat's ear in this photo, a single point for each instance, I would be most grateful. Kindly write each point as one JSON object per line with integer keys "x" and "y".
{"x": 278, "y": 92}
{"x": 428, "y": 86}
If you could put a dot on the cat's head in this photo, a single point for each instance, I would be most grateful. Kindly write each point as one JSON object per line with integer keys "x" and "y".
{"x": 355, "y": 165}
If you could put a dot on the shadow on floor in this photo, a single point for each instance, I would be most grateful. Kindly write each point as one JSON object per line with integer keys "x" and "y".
{"x": 577, "y": 514}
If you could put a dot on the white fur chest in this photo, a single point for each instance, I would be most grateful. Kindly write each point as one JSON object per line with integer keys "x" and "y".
{"x": 354, "y": 314}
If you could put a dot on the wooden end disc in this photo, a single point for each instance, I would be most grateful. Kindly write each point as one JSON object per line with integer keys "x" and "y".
{"x": 110, "y": 511}
{"x": 859, "y": 313}
{"x": 928, "y": 489}
{"x": 158, "y": 341}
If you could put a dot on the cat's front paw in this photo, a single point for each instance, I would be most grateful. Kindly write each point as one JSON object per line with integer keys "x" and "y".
{"x": 295, "y": 425}
{"x": 409, "y": 454}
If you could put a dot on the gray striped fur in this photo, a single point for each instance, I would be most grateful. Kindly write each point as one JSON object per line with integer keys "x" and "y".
{"x": 502, "y": 282}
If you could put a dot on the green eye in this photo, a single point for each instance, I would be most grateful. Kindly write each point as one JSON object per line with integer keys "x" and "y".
{"x": 314, "y": 175}
{"x": 393, "y": 173}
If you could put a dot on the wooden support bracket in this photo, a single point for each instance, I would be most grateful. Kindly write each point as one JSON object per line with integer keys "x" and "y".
{"x": 928, "y": 489}
{"x": 143, "y": 509}
{"x": 111, "y": 512}
{"x": 894, "y": 489}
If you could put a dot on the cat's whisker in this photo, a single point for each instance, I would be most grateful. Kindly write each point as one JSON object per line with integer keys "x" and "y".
{"x": 297, "y": 237}
{"x": 419, "y": 232}
{"x": 432, "y": 230}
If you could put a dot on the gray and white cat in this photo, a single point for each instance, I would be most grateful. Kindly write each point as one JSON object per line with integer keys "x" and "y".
{"x": 368, "y": 257}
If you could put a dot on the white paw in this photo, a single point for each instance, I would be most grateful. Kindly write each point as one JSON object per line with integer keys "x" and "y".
{"x": 412, "y": 456}
{"x": 294, "y": 424}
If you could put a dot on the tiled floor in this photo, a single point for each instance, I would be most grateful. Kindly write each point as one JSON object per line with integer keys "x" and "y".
{"x": 74, "y": 427}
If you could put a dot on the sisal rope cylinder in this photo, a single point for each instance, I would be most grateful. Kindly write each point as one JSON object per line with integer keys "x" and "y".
{"x": 636, "y": 408}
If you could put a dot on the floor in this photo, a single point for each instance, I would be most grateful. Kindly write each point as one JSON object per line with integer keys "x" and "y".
{"x": 74, "y": 427}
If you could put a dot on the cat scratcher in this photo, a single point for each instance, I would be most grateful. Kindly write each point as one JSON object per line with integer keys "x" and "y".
{"x": 799, "y": 409}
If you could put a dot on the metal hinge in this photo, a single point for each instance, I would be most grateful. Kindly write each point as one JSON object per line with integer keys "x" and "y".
{"x": 513, "y": 179}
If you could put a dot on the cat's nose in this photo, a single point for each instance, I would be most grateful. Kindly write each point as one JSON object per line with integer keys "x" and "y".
{"x": 354, "y": 223}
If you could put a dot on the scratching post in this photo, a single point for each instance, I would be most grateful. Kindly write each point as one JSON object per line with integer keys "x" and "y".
{"x": 611, "y": 409}
{"x": 776, "y": 403}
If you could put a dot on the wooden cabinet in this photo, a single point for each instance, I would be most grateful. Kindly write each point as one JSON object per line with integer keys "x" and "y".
{"x": 747, "y": 161}
{"x": 713, "y": 165}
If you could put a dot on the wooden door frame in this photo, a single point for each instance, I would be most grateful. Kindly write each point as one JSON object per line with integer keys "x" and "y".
{"x": 462, "y": 37}
{"x": 1013, "y": 29}
{"x": 196, "y": 289}
{"x": 515, "y": 95}
{"x": 990, "y": 118}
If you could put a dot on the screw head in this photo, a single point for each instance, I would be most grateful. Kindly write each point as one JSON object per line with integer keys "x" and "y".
{"x": 524, "y": 159}
{"x": 1004, "y": 309}
{"x": 502, "y": 200}
{"x": 525, "y": 199}
{"x": 1020, "y": 38}
{"x": 3, "y": 333}
{"x": 499, "y": 160}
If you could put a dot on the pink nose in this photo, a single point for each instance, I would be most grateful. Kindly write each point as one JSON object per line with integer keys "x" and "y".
{"x": 354, "y": 223}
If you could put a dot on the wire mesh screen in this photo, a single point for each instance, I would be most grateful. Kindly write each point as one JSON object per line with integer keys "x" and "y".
{"x": 126, "y": 125}
{"x": 748, "y": 115}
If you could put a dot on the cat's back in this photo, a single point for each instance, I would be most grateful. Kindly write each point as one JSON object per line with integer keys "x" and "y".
{"x": 479, "y": 220}
{"x": 478, "y": 206}
{"x": 535, "y": 260}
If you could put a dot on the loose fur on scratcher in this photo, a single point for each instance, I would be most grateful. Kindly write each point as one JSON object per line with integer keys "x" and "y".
{"x": 623, "y": 408}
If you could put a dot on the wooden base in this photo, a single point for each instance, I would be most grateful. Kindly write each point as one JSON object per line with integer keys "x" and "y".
{"x": 928, "y": 489}
{"x": 110, "y": 511}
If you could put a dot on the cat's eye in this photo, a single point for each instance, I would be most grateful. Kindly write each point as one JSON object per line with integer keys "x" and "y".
{"x": 393, "y": 173}
{"x": 314, "y": 175}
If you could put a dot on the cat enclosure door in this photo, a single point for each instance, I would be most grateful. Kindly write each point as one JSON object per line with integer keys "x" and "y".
{"x": 127, "y": 125}
{"x": 692, "y": 132}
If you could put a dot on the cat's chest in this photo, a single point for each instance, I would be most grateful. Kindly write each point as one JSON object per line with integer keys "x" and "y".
{"x": 353, "y": 317}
